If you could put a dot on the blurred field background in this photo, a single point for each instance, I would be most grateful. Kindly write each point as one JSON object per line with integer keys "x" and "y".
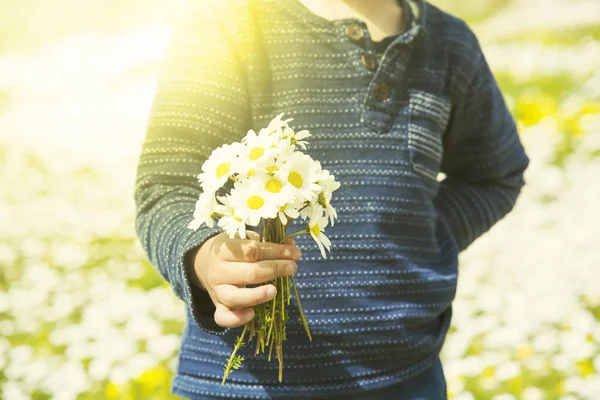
{"x": 84, "y": 316}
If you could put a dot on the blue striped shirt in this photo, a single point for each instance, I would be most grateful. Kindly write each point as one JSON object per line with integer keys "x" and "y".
{"x": 379, "y": 306}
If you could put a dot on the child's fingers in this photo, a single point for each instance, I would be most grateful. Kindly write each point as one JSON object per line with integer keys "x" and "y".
{"x": 238, "y": 298}
{"x": 229, "y": 318}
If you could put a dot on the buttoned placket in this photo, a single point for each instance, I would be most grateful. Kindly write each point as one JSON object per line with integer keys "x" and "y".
{"x": 384, "y": 98}
{"x": 386, "y": 94}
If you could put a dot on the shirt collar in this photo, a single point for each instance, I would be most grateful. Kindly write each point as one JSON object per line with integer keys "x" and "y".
{"x": 418, "y": 13}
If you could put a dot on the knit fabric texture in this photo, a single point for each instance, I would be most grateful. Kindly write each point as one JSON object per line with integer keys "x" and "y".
{"x": 427, "y": 154}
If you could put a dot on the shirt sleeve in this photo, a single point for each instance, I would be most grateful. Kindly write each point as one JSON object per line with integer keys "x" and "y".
{"x": 484, "y": 160}
{"x": 201, "y": 102}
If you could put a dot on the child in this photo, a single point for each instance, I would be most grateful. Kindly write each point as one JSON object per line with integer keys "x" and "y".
{"x": 394, "y": 92}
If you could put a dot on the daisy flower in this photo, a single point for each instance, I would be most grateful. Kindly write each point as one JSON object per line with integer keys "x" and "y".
{"x": 252, "y": 201}
{"x": 277, "y": 124}
{"x": 329, "y": 185}
{"x": 289, "y": 210}
{"x": 286, "y": 147}
{"x": 230, "y": 222}
{"x": 296, "y": 138}
{"x": 277, "y": 192}
{"x": 259, "y": 150}
{"x": 312, "y": 211}
{"x": 302, "y": 172}
{"x": 315, "y": 229}
{"x": 221, "y": 164}
{"x": 204, "y": 211}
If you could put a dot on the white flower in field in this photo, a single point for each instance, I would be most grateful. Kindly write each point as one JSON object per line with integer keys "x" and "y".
{"x": 315, "y": 229}
{"x": 259, "y": 150}
{"x": 229, "y": 220}
{"x": 99, "y": 368}
{"x": 508, "y": 370}
{"x": 464, "y": 396}
{"x": 139, "y": 363}
{"x": 222, "y": 163}
{"x": 504, "y": 396}
{"x": 532, "y": 393}
{"x": 250, "y": 200}
{"x": 14, "y": 391}
{"x": 204, "y": 211}
{"x": 163, "y": 346}
{"x": 302, "y": 172}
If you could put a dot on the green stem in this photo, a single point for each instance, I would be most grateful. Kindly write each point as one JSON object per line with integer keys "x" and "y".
{"x": 237, "y": 347}
{"x": 291, "y": 235}
{"x": 306, "y": 205}
{"x": 300, "y": 309}
{"x": 272, "y": 316}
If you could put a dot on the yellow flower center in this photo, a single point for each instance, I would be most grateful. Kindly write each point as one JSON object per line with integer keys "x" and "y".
{"x": 223, "y": 169}
{"x": 315, "y": 230}
{"x": 238, "y": 219}
{"x": 255, "y": 202}
{"x": 295, "y": 179}
{"x": 256, "y": 153}
{"x": 272, "y": 169}
{"x": 321, "y": 200}
{"x": 273, "y": 185}
{"x": 251, "y": 172}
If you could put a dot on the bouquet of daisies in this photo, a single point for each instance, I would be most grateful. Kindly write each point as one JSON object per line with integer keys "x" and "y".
{"x": 269, "y": 184}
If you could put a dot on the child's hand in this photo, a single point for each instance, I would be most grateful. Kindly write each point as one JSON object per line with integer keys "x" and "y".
{"x": 225, "y": 266}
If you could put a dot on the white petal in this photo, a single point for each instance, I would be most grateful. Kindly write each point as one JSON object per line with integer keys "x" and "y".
{"x": 319, "y": 244}
{"x": 292, "y": 212}
{"x": 325, "y": 240}
{"x": 282, "y": 217}
{"x": 242, "y": 231}
{"x": 194, "y": 225}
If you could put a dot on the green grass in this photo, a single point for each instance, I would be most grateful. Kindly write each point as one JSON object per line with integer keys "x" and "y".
{"x": 560, "y": 37}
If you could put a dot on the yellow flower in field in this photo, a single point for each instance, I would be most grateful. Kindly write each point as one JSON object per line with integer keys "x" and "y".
{"x": 112, "y": 391}
{"x": 152, "y": 378}
{"x": 531, "y": 109}
{"x": 524, "y": 351}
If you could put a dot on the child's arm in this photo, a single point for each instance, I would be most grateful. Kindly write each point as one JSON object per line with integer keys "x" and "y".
{"x": 201, "y": 102}
{"x": 483, "y": 160}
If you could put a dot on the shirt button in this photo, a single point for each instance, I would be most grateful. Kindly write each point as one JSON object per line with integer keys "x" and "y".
{"x": 369, "y": 61}
{"x": 355, "y": 31}
{"x": 382, "y": 90}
